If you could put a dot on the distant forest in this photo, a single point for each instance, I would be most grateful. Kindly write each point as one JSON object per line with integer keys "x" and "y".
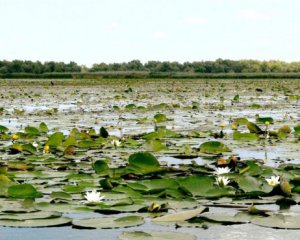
{"x": 218, "y": 66}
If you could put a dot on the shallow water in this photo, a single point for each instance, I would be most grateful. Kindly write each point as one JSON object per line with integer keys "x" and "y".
{"x": 86, "y": 107}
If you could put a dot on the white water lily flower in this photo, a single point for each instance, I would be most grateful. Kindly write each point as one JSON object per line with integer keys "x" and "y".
{"x": 116, "y": 143}
{"x": 35, "y": 144}
{"x": 222, "y": 170}
{"x": 94, "y": 196}
{"x": 273, "y": 181}
{"x": 222, "y": 181}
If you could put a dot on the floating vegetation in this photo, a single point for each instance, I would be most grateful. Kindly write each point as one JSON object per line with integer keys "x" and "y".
{"x": 179, "y": 161}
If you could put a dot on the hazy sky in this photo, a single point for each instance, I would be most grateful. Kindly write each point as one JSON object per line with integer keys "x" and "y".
{"x": 90, "y": 31}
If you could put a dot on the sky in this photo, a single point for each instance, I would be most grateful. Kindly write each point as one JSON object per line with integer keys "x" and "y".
{"x": 94, "y": 31}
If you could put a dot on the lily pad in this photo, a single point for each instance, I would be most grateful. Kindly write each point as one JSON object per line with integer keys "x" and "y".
{"x": 112, "y": 222}
{"x": 278, "y": 221}
{"x": 27, "y": 216}
{"x": 251, "y": 185}
{"x": 180, "y": 216}
{"x": 160, "y": 118}
{"x": 34, "y": 223}
{"x": 32, "y": 131}
{"x": 253, "y": 128}
{"x": 43, "y": 127}
{"x": 55, "y": 139}
{"x": 3, "y": 129}
{"x": 155, "y": 145}
{"x": 265, "y": 119}
{"x": 213, "y": 147}
{"x": 203, "y": 186}
{"x": 23, "y": 191}
{"x": 101, "y": 167}
{"x": 143, "y": 162}
{"x": 244, "y": 136}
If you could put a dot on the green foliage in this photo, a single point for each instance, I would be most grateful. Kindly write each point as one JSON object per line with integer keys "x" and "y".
{"x": 3, "y": 129}
{"x": 143, "y": 162}
{"x": 253, "y": 128}
{"x": 55, "y": 139}
{"x": 43, "y": 127}
{"x": 244, "y": 136}
{"x": 221, "y": 68}
{"x": 23, "y": 191}
{"x": 32, "y": 131}
{"x": 159, "y": 117}
{"x": 100, "y": 166}
{"x": 213, "y": 147}
{"x": 265, "y": 119}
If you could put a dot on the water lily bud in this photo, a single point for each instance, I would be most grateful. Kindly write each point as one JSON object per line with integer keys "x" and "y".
{"x": 285, "y": 186}
{"x": 267, "y": 123}
{"x": 154, "y": 207}
{"x": 234, "y": 126}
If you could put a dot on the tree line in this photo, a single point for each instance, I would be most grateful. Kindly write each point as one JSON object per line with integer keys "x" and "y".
{"x": 217, "y": 66}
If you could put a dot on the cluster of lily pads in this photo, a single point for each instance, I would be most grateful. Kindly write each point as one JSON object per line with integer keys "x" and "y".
{"x": 46, "y": 175}
{"x": 174, "y": 161}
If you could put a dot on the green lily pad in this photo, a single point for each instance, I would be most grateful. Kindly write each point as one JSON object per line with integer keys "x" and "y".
{"x": 278, "y": 221}
{"x": 241, "y": 121}
{"x": 297, "y": 129}
{"x": 155, "y": 145}
{"x": 160, "y": 118}
{"x": 60, "y": 195}
{"x": 61, "y": 207}
{"x": 180, "y": 216}
{"x": 159, "y": 184}
{"x": 23, "y": 191}
{"x": 227, "y": 218}
{"x": 143, "y": 162}
{"x": 285, "y": 130}
{"x": 213, "y": 147}
{"x": 264, "y": 119}
{"x": 191, "y": 184}
{"x": 43, "y": 127}
{"x": 207, "y": 188}
{"x": 244, "y": 136}
{"x": 55, "y": 139}
{"x": 3, "y": 129}
{"x": 253, "y": 128}
{"x": 251, "y": 185}
{"x": 29, "y": 148}
{"x": 27, "y": 216}
{"x": 32, "y": 131}
{"x": 35, "y": 223}
{"x": 106, "y": 223}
